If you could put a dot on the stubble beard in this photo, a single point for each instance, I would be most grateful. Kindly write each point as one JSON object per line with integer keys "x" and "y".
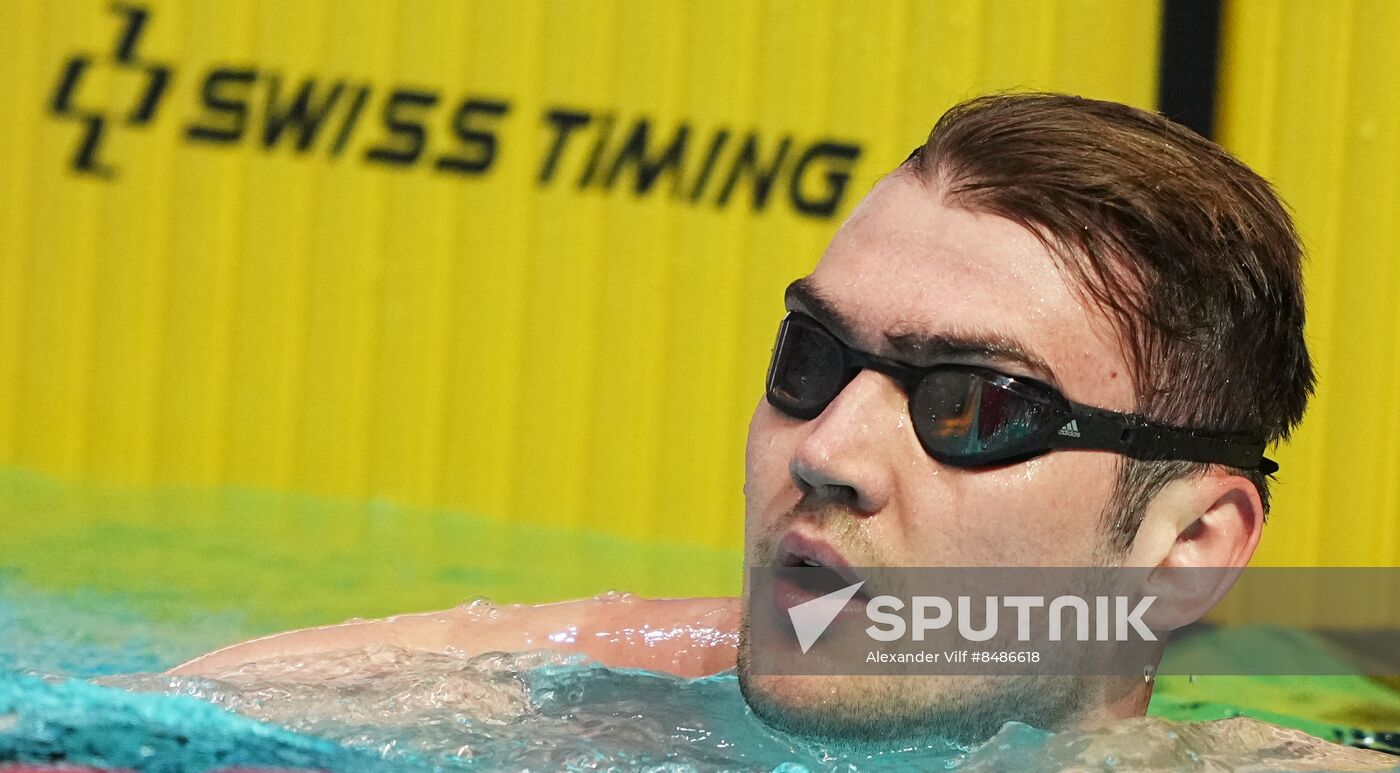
{"x": 879, "y": 710}
{"x": 892, "y": 709}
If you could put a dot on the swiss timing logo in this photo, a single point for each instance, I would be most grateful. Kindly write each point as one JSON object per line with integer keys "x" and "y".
{"x": 67, "y": 103}
{"x": 436, "y": 130}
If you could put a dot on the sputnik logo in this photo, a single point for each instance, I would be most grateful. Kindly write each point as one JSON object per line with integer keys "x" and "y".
{"x": 810, "y": 619}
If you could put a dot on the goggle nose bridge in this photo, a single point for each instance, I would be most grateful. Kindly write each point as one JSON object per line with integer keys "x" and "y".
{"x": 854, "y": 361}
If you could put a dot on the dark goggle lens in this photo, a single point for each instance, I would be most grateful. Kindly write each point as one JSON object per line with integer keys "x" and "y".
{"x": 807, "y": 372}
{"x": 960, "y": 415}
{"x": 965, "y": 415}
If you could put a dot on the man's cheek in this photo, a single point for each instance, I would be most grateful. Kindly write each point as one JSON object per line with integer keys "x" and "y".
{"x": 759, "y": 437}
{"x": 766, "y": 477}
{"x": 1052, "y": 514}
{"x": 1073, "y": 488}
{"x": 771, "y": 443}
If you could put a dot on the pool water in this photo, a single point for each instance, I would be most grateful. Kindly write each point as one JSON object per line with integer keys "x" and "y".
{"x": 102, "y": 588}
{"x": 382, "y": 708}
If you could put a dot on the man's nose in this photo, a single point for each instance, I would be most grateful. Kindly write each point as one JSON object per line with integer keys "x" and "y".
{"x": 848, "y": 453}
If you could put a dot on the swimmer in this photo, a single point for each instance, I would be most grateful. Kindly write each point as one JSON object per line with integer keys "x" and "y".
{"x": 1098, "y": 253}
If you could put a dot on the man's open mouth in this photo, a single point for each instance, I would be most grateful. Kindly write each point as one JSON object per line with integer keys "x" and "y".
{"x": 807, "y": 569}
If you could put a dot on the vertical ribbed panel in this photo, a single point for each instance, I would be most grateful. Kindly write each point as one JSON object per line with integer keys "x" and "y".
{"x": 266, "y": 376}
{"x": 345, "y": 280}
{"x": 22, "y": 44}
{"x": 487, "y": 359}
{"x": 1308, "y": 99}
{"x": 131, "y": 273}
{"x": 208, "y": 222}
{"x": 560, "y": 350}
{"x": 55, "y": 361}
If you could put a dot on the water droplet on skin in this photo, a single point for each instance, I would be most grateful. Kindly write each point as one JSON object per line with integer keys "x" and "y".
{"x": 479, "y": 608}
{"x": 566, "y": 636}
{"x": 615, "y": 596}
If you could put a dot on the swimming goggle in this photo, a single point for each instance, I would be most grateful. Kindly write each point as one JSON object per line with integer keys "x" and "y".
{"x": 969, "y": 416}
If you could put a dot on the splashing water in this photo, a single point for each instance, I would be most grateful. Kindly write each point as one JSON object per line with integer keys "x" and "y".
{"x": 541, "y": 710}
{"x": 385, "y": 708}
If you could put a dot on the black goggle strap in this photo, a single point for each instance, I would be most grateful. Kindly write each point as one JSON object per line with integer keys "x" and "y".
{"x": 1105, "y": 431}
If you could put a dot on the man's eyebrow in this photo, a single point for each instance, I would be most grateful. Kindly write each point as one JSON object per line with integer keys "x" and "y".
{"x": 918, "y": 347}
{"x": 978, "y": 347}
{"x": 802, "y": 296}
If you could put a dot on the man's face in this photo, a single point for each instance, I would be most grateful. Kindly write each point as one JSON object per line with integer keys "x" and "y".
{"x": 855, "y": 483}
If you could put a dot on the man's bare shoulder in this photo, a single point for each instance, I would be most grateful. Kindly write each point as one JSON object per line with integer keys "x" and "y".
{"x": 687, "y": 637}
{"x": 1238, "y": 744}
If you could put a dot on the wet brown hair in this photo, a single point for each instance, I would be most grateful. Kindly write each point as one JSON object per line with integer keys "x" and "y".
{"x": 1189, "y": 252}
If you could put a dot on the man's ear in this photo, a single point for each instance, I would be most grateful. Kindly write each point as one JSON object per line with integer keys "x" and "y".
{"x": 1211, "y": 520}
{"x": 1197, "y": 536}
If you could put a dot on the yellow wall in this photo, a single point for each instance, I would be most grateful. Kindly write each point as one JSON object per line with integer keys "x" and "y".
{"x": 224, "y": 313}
{"x": 1309, "y": 98}
{"x": 227, "y": 313}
